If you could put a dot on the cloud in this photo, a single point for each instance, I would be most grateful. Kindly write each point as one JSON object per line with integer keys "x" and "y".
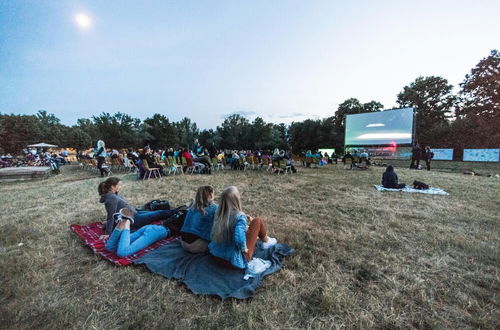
{"x": 241, "y": 113}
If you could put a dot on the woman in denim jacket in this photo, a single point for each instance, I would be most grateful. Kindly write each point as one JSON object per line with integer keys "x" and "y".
{"x": 235, "y": 234}
{"x": 195, "y": 233}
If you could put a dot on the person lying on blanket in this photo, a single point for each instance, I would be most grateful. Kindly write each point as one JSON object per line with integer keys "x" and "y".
{"x": 113, "y": 202}
{"x": 123, "y": 243}
{"x": 195, "y": 233}
{"x": 235, "y": 234}
{"x": 390, "y": 179}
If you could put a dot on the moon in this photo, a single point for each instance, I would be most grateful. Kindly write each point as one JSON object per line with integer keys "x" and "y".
{"x": 83, "y": 21}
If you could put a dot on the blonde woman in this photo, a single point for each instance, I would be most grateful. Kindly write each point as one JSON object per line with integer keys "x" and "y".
{"x": 100, "y": 154}
{"x": 195, "y": 233}
{"x": 235, "y": 234}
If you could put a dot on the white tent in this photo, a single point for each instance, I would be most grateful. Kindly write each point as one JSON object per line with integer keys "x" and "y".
{"x": 42, "y": 145}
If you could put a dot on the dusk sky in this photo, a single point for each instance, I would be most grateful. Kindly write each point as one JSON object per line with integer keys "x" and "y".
{"x": 282, "y": 60}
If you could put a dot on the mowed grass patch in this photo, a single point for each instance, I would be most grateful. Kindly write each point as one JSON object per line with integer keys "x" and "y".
{"x": 363, "y": 258}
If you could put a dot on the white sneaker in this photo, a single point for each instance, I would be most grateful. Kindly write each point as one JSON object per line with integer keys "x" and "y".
{"x": 270, "y": 242}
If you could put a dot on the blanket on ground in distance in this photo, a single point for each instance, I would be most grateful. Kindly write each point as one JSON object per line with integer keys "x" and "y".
{"x": 90, "y": 235}
{"x": 203, "y": 276}
{"x": 410, "y": 189}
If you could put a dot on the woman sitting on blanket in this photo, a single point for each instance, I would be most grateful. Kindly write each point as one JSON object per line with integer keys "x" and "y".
{"x": 113, "y": 202}
{"x": 123, "y": 243}
{"x": 195, "y": 233}
{"x": 390, "y": 179}
{"x": 235, "y": 234}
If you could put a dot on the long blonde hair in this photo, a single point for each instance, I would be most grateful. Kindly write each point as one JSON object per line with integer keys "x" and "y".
{"x": 203, "y": 198}
{"x": 100, "y": 143}
{"x": 225, "y": 217}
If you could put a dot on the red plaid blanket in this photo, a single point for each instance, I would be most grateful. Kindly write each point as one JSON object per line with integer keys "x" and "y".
{"x": 90, "y": 235}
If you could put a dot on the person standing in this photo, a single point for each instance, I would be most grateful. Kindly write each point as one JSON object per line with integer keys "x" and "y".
{"x": 416, "y": 155}
{"x": 100, "y": 154}
{"x": 428, "y": 155}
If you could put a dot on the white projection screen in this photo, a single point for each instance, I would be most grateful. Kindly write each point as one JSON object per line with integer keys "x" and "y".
{"x": 387, "y": 127}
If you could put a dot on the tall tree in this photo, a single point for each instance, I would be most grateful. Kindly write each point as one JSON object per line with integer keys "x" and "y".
{"x": 159, "y": 132}
{"x": 187, "y": 132}
{"x": 433, "y": 99}
{"x": 233, "y": 132}
{"x": 118, "y": 130}
{"x": 479, "y": 107}
{"x": 17, "y": 131}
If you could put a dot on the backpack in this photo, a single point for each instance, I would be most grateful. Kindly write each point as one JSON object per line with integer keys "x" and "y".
{"x": 175, "y": 222}
{"x": 157, "y": 204}
{"x": 420, "y": 185}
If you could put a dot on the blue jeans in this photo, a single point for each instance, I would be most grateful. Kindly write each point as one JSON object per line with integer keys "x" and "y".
{"x": 124, "y": 244}
{"x": 143, "y": 218}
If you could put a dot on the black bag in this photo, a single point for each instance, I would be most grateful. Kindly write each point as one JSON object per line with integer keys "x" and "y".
{"x": 156, "y": 204}
{"x": 175, "y": 222}
{"x": 420, "y": 185}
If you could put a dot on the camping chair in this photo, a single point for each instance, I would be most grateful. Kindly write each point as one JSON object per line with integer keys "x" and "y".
{"x": 216, "y": 165}
{"x": 148, "y": 171}
{"x": 283, "y": 167}
{"x": 309, "y": 161}
{"x": 266, "y": 165}
{"x": 243, "y": 163}
{"x": 128, "y": 165}
{"x": 174, "y": 167}
{"x": 249, "y": 161}
{"x": 315, "y": 162}
{"x": 348, "y": 164}
{"x": 190, "y": 166}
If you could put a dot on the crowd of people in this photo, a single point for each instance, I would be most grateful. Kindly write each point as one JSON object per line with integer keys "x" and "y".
{"x": 202, "y": 159}
{"x": 223, "y": 229}
{"x": 36, "y": 157}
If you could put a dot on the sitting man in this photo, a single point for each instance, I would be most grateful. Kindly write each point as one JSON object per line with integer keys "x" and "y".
{"x": 390, "y": 179}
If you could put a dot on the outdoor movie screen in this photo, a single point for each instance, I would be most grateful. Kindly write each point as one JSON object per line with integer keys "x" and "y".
{"x": 380, "y": 128}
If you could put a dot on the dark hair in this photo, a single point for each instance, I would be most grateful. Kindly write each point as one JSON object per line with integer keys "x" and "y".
{"x": 389, "y": 168}
{"x": 105, "y": 186}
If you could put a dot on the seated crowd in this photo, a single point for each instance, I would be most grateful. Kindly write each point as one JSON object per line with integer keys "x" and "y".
{"x": 198, "y": 159}
{"x": 223, "y": 229}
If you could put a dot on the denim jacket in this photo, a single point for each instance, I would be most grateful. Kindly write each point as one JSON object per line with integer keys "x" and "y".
{"x": 233, "y": 251}
{"x": 198, "y": 223}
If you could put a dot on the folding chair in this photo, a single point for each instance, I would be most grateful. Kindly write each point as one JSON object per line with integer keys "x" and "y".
{"x": 148, "y": 171}
{"x": 174, "y": 167}
{"x": 284, "y": 168}
{"x": 348, "y": 164}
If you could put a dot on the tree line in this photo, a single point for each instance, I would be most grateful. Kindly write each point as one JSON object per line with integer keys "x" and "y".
{"x": 469, "y": 118}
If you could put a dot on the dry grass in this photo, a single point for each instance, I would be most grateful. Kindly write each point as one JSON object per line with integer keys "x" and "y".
{"x": 363, "y": 259}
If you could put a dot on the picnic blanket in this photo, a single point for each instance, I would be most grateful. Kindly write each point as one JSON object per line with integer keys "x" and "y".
{"x": 430, "y": 191}
{"x": 203, "y": 276}
{"x": 90, "y": 235}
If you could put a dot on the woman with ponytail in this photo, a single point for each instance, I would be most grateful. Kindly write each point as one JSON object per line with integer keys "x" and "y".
{"x": 113, "y": 202}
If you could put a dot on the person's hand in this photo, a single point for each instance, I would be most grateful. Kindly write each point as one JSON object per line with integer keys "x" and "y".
{"x": 249, "y": 218}
{"x": 246, "y": 250}
{"x": 104, "y": 237}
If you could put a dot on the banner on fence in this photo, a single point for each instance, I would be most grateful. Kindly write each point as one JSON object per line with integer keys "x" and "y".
{"x": 442, "y": 154}
{"x": 481, "y": 155}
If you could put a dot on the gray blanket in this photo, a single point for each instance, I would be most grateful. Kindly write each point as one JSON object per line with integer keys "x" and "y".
{"x": 203, "y": 276}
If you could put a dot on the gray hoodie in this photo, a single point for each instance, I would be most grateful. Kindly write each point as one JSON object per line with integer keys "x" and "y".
{"x": 113, "y": 203}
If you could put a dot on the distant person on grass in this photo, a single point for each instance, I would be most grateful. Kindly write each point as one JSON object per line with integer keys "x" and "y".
{"x": 390, "y": 179}
{"x": 427, "y": 156}
{"x": 234, "y": 234}
{"x": 123, "y": 243}
{"x": 416, "y": 156}
{"x": 195, "y": 233}
{"x": 113, "y": 202}
{"x": 100, "y": 154}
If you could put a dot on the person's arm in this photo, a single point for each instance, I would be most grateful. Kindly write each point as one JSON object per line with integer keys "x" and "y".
{"x": 111, "y": 208}
{"x": 240, "y": 231}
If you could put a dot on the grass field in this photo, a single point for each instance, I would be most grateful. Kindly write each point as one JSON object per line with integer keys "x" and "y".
{"x": 363, "y": 259}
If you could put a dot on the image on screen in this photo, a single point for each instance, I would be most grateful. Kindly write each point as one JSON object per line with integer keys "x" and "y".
{"x": 380, "y": 128}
